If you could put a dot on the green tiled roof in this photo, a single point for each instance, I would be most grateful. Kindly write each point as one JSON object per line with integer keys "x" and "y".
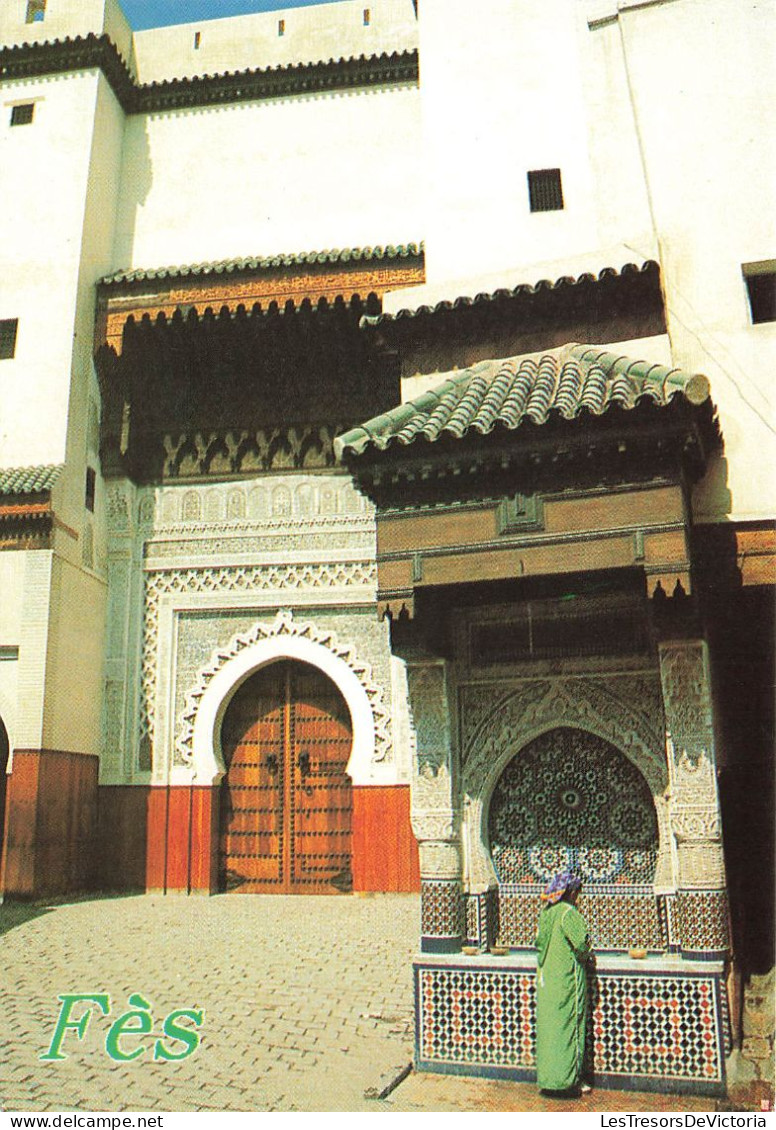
{"x": 269, "y": 263}
{"x": 569, "y": 382}
{"x": 29, "y": 480}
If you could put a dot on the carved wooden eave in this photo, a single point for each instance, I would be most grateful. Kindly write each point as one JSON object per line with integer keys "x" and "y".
{"x": 98, "y": 52}
{"x": 255, "y": 282}
{"x": 613, "y": 305}
{"x": 570, "y": 461}
{"x": 26, "y": 512}
{"x": 239, "y": 392}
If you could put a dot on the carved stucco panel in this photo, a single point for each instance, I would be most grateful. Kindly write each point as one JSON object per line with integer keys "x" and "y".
{"x": 499, "y": 720}
{"x": 623, "y": 711}
{"x": 434, "y": 815}
{"x": 684, "y": 676}
{"x": 440, "y": 860}
{"x": 164, "y": 585}
{"x": 285, "y": 624}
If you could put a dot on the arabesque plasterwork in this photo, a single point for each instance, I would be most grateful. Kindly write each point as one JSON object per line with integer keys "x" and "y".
{"x": 285, "y": 624}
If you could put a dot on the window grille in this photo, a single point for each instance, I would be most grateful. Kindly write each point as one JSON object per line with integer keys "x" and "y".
{"x": 91, "y": 481}
{"x": 22, "y": 115}
{"x": 760, "y": 279}
{"x": 544, "y": 190}
{"x": 8, "y": 328}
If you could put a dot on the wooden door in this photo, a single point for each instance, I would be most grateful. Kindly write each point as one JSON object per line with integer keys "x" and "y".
{"x": 286, "y": 801}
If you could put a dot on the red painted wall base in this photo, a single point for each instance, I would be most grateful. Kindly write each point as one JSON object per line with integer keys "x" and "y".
{"x": 166, "y": 839}
{"x": 50, "y": 824}
{"x": 182, "y": 840}
{"x": 385, "y": 851}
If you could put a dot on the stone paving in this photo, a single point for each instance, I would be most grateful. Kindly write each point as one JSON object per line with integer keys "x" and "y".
{"x": 308, "y": 1006}
{"x": 307, "y": 1000}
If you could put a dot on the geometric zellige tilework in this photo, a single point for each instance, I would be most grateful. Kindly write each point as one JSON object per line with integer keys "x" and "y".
{"x": 482, "y": 918}
{"x": 702, "y": 920}
{"x": 616, "y": 921}
{"x": 473, "y": 937}
{"x": 441, "y": 908}
{"x": 487, "y": 1018}
{"x": 657, "y": 1026}
{"x": 664, "y": 1026}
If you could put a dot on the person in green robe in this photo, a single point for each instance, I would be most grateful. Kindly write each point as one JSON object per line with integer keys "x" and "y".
{"x": 563, "y": 956}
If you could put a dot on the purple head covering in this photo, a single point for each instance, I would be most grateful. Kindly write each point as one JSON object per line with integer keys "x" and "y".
{"x": 561, "y": 885}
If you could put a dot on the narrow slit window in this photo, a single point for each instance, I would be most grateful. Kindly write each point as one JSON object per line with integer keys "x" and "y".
{"x": 36, "y": 11}
{"x": 91, "y": 481}
{"x": 367, "y": 17}
{"x": 22, "y": 114}
{"x": 545, "y": 192}
{"x": 281, "y": 27}
{"x": 197, "y": 40}
{"x": 8, "y": 328}
{"x": 760, "y": 279}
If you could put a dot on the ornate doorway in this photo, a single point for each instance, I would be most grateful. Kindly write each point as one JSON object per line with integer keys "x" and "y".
{"x": 286, "y": 800}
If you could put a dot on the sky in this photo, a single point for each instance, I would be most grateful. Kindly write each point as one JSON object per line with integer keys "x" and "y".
{"x": 159, "y": 13}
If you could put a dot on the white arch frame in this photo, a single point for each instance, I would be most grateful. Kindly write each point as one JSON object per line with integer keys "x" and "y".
{"x": 208, "y": 760}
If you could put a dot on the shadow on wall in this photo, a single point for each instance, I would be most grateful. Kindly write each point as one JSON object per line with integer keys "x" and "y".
{"x": 136, "y": 182}
{"x": 740, "y": 621}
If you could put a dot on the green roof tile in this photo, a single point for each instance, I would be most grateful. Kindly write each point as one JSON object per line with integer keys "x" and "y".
{"x": 28, "y": 480}
{"x": 568, "y": 382}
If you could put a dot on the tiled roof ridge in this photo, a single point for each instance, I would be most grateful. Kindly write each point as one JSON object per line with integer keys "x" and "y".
{"x": 268, "y": 262}
{"x": 505, "y": 293}
{"x": 82, "y": 52}
{"x": 567, "y": 381}
{"x": 29, "y": 480}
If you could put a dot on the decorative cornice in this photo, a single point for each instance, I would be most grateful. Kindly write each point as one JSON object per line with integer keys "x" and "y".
{"x": 63, "y": 56}
{"x": 504, "y": 297}
{"x": 269, "y": 263}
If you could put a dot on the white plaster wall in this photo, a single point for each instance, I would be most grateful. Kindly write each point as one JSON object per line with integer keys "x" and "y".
{"x": 96, "y": 240}
{"x": 321, "y": 32}
{"x": 501, "y": 90}
{"x": 64, "y": 18}
{"x": 11, "y": 582}
{"x": 44, "y": 168}
{"x": 295, "y": 174}
{"x": 702, "y": 79}
{"x": 11, "y": 589}
{"x": 75, "y": 661}
{"x": 658, "y": 118}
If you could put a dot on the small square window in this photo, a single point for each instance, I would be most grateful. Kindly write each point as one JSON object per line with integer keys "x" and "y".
{"x": 22, "y": 115}
{"x": 760, "y": 279}
{"x": 8, "y": 328}
{"x": 36, "y": 11}
{"x": 544, "y": 190}
{"x": 91, "y": 482}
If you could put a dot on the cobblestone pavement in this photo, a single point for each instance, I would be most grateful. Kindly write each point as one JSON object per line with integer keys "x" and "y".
{"x": 307, "y": 1000}
{"x": 308, "y": 1005}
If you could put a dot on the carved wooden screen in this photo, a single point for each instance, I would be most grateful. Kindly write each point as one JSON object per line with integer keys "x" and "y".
{"x": 286, "y": 801}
